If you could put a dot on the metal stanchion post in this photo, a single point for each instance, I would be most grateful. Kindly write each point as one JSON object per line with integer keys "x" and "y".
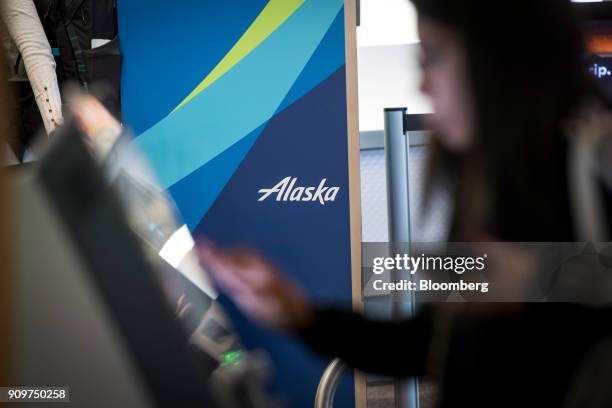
{"x": 398, "y": 202}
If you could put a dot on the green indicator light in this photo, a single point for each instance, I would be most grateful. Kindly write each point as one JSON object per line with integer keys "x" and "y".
{"x": 232, "y": 357}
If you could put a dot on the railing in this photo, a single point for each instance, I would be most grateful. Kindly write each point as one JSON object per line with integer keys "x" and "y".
{"x": 326, "y": 391}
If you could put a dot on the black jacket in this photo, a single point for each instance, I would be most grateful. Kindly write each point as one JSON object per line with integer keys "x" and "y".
{"x": 526, "y": 357}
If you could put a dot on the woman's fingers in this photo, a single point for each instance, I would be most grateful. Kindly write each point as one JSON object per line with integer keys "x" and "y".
{"x": 252, "y": 268}
{"x": 257, "y": 287}
{"x": 223, "y": 271}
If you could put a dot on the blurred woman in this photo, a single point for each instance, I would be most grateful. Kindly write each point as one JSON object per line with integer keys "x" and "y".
{"x": 510, "y": 93}
{"x": 509, "y": 90}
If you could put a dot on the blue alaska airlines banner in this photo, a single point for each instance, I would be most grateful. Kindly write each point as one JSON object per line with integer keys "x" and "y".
{"x": 241, "y": 106}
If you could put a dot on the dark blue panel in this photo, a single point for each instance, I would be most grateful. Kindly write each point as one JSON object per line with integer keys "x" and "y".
{"x": 197, "y": 192}
{"x": 308, "y": 240}
{"x": 169, "y": 47}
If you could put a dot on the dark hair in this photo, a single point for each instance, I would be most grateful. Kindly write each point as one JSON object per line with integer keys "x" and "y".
{"x": 525, "y": 65}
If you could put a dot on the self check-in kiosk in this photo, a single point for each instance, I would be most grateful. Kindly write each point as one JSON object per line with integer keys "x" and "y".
{"x": 103, "y": 264}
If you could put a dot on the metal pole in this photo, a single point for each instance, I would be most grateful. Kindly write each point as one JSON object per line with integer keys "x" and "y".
{"x": 398, "y": 205}
{"x": 396, "y": 162}
{"x": 398, "y": 196}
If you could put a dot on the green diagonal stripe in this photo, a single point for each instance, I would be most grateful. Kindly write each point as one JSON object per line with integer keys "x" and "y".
{"x": 271, "y": 17}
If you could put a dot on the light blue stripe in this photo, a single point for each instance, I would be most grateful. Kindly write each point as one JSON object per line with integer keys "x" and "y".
{"x": 240, "y": 101}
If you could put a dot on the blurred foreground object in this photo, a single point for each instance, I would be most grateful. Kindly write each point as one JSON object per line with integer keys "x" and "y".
{"x": 6, "y": 281}
{"x": 103, "y": 261}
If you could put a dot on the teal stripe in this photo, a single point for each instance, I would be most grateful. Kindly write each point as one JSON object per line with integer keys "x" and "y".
{"x": 240, "y": 101}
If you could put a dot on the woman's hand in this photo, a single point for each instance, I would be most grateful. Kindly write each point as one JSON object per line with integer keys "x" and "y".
{"x": 257, "y": 287}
